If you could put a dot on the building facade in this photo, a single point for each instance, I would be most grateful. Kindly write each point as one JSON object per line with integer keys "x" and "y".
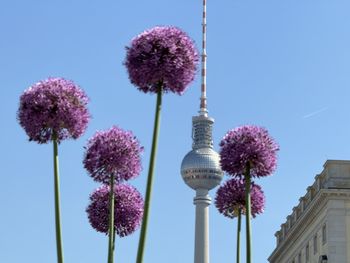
{"x": 318, "y": 230}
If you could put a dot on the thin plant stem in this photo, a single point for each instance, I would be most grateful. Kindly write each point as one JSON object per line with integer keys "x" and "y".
{"x": 114, "y": 236}
{"x": 111, "y": 221}
{"x": 143, "y": 234}
{"x": 248, "y": 213}
{"x": 57, "y": 200}
{"x": 238, "y": 253}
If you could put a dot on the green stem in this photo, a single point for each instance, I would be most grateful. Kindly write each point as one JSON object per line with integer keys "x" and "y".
{"x": 143, "y": 234}
{"x": 57, "y": 201}
{"x": 113, "y": 237}
{"x": 238, "y": 235}
{"x": 111, "y": 221}
{"x": 248, "y": 212}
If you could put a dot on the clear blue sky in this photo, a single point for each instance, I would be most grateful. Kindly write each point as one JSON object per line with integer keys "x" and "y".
{"x": 284, "y": 65}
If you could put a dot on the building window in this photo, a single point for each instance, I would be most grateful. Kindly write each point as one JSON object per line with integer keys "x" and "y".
{"x": 315, "y": 244}
{"x": 299, "y": 257}
{"x": 307, "y": 253}
{"x": 324, "y": 234}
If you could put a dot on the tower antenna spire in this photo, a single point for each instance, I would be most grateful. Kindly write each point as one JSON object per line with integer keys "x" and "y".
{"x": 203, "y": 99}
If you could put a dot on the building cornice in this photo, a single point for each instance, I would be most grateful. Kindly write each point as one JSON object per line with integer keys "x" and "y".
{"x": 302, "y": 223}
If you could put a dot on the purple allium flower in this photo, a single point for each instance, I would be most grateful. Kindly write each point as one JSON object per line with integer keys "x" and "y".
{"x": 54, "y": 105}
{"x": 113, "y": 152}
{"x": 128, "y": 209}
{"x": 231, "y": 196}
{"x": 248, "y": 144}
{"x": 162, "y": 55}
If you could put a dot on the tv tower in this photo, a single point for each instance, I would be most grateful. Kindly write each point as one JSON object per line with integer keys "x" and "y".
{"x": 200, "y": 168}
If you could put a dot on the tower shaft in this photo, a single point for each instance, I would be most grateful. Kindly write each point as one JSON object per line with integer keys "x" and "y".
{"x": 202, "y": 202}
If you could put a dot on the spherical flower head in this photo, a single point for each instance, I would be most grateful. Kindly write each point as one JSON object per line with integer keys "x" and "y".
{"x": 230, "y": 197}
{"x": 162, "y": 55}
{"x": 113, "y": 152}
{"x": 128, "y": 209}
{"x": 54, "y": 107}
{"x": 248, "y": 144}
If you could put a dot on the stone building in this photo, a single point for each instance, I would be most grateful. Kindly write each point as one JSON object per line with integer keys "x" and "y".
{"x": 318, "y": 230}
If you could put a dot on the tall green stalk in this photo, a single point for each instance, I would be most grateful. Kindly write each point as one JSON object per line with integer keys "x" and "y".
{"x": 238, "y": 253}
{"x": 248, "y": 212}
{"x": 57, "y": 201}
{"x": 142, "y": 241}
{"x": 111, "y": 221}
{"x": 114, "y": 236}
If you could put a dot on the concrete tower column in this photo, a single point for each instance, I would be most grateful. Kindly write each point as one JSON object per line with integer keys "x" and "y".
{"x": 202, "y": 202}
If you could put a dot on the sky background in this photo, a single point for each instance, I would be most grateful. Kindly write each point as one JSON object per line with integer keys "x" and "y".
{"x": 284, "y": 65}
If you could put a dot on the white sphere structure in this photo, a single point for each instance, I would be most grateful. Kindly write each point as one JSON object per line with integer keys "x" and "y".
{"x": 200, "y": 168}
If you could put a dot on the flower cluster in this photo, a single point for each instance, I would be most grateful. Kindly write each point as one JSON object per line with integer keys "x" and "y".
{"x": 248, "y": 144}
{"x": 163, "y": 55}
{"x": 230, "y": 197}
{"x": 54, "y": 107}
{"x": 113, "y": 152}
{"x": 128, "y": 209}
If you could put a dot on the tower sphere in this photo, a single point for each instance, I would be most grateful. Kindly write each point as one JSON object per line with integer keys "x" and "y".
{"x": 200, "y": 169}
